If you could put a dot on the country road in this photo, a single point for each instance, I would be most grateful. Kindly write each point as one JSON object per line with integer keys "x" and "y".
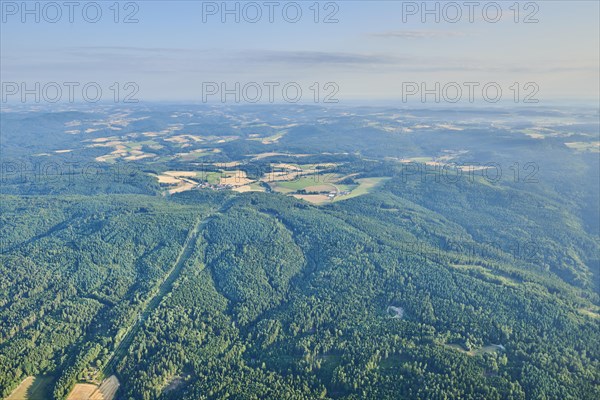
{"x": 152, "y": 303}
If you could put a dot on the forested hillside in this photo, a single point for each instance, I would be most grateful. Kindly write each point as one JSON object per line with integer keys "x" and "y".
{"x": 416, "y": 290}
{"x": 270, "y": 255}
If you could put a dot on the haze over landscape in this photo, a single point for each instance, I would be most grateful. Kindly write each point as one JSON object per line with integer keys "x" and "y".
{"x": 299, "y": 200}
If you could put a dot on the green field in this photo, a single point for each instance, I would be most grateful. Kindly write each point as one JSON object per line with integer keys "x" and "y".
{"x": 299, "y": 184}
{"x": 365, "y": 185}
{"x": 211, "y": 177}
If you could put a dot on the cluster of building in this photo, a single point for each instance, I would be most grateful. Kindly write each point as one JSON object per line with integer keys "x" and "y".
{"x": 334, "y": 194}
{"x": 213, "y": 186}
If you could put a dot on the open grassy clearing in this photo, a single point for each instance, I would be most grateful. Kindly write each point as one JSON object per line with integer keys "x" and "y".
{"x": 365, "y": 185}
{"x": 320, "y": 189}
{"x": 490, "y": 348}
{"x": 184, "y": 139}
{"x": 243, "y": 189}
{"x": 235, "y": 178}
{"x": 178, "y": 181}
{"x": 89, "y": 391}
{"x": 211, "y": 177}
{"x": 253, "y": 187}
{"x": 325, "y": 187}
{"x": 591, "y": 312}
{"x": 33, "y": 388}
{"x": 268, "y": 139}
{"x": 294, "y": 172}
{"x": 298, "y": 184}
{"x": 187, "y": 174}
{"x": 184, "y": 186}
{"x": 292, "y": 167}
{"x": 168, "y": 180}
{"x": 175, "y": 383}
{"x": 281, "y": 176}
{"x": 107, "y": 389}
{"x": 485, "y": 274}
{"x": 273, "y": 154}
{"x": 416, "y": 159}
{"x": 313, "y": 198}
{"x": 193, "y": 155}
{"x": 82, "y": 391}
{"x": 126, "y": 150}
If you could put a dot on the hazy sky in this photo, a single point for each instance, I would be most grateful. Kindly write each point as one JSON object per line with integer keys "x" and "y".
{"x": 373, "y": 49}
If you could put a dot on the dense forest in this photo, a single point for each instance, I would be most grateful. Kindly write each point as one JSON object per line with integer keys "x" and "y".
{"x": 418, "y": 289}
{"x": 280, "y": 298}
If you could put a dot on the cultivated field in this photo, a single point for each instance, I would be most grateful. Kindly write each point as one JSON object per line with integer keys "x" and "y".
{"x": 266, "y": 155}
{"x": 33, "y": 388}
{"x": 82, "y": 391}
{"x": 249, "y": 188}
{"x": 313, "y": 198}
{"x": 315, "y": 184}
{"x": 88, "y": 391}
{"x": 178, "y": 181}
{"x": 235, "y": 178}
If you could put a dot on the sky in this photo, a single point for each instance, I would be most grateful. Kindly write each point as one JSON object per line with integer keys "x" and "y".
{"x": 355, "y": 51}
